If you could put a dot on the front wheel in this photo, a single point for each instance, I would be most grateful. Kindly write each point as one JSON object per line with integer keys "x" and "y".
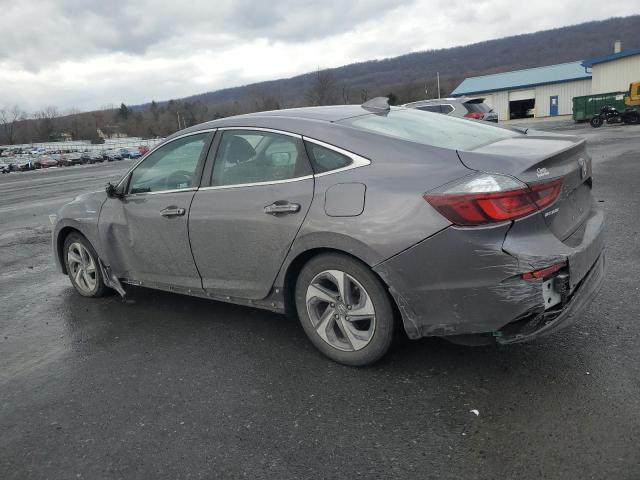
{"x": 82, "y": 266}
{"x": 596, "y": 122}
{"x": 345, "y": 309}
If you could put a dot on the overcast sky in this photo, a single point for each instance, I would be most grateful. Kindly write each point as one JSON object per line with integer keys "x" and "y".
{"x": 86, "y": 54}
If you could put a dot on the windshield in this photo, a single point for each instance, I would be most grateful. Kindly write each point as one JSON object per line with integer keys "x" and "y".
{"x": 430, "y": 128}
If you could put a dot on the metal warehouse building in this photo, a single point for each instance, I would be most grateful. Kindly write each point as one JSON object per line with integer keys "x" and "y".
{"x": 548, "y": 91}
{"x": 614, "y": 73}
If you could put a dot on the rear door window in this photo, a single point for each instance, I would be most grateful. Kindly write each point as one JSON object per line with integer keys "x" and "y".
{"x": 255, "y": 156}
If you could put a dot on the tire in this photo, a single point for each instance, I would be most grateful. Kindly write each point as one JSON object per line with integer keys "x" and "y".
{"x": 86, "y": 277}
{"x": 596, "y": 122}
{"x": 632, "y": 118}
{"x": 327, "y": 317}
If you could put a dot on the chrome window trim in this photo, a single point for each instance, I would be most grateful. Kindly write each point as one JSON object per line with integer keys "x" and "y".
{"x": 357, "y": 160}
{"x": 161, "y": 144}
{"x": 257, "y": 184}
{"x": 453, "y": 108}
{"x": 174, "y": 190}
{"x": 260, "y": 129}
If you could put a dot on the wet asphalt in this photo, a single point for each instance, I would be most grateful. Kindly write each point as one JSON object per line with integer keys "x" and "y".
{"x": 167, "y": 386}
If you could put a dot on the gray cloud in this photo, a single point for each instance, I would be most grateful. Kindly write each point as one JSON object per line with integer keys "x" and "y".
{"x": 41, "y": 32}
{"x": 89, "y": 53}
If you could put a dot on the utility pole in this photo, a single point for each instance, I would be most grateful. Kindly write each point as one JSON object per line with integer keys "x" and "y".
{"x": 438, "y": 77}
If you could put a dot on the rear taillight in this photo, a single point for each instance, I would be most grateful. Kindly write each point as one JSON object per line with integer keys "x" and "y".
{"x": 492, "y": 198}
{"x": 475, "y": 115}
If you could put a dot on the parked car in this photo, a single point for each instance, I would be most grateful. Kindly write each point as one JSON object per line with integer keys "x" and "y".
{"x": 23, "y": 164}
{"x": 472, "y": 108}
{"x": 7, "y": 167}
{"x": 352, "y": 217}
{"x": 142, "y": 149}
{"x": 134, "y": 153}
{"x": 111, "y": 155}
{"x": 124, "y": 153}
{"x": 95, "y": 157}
{"x": 58, "y": 157}
{"x": 46, "y": 161}
{"x": 71, "y": 159}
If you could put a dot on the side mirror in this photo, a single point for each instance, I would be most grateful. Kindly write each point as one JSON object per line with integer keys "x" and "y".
{"x": 113, "y": 191}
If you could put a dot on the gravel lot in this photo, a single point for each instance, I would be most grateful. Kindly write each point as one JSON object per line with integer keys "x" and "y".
{"x": 167, "y": 386}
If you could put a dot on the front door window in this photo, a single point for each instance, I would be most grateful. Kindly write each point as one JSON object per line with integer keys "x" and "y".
{"x": 171, "y": 167}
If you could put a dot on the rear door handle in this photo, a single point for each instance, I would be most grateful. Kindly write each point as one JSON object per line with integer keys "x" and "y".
{"x": 281, "y": 207}
{"x": 172, "y": 212}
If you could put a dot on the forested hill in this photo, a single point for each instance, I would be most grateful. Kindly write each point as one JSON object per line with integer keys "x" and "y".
{"x": 406, "y": 75}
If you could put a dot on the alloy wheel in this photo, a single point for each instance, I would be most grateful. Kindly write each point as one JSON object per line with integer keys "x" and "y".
{"x": 82, "y": 267}
{"x": 341, "y": 310}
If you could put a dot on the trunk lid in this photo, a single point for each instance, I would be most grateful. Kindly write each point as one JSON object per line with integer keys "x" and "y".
{"x": 535, "y": 159}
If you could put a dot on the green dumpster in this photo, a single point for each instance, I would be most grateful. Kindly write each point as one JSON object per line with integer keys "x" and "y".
{"x": 585, "y": 107}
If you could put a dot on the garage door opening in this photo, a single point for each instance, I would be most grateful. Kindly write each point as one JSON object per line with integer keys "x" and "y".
{"x": 522, "y": 108}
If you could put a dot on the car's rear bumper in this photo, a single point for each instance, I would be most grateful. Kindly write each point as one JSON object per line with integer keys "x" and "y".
{"x": 550, "y": 321}
{"x": 469, "y": 280}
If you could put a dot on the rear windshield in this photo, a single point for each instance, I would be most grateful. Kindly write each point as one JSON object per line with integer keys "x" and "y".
{"x": 477, "y": 107}
{"x": 430, "y": 128}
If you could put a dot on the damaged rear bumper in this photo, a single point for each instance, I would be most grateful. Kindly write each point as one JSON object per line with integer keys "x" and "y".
{"x": 550, "y": 321}
{"x": 465, "y": 281}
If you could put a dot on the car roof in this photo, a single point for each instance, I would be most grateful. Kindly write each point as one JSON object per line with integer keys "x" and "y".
{"x": 435, "y": 101}
{"x": 302, "y": 118}
{"x": 332, "y": 113}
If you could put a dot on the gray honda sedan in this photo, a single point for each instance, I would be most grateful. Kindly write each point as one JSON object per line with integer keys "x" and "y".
{"x": 363, "y": 221}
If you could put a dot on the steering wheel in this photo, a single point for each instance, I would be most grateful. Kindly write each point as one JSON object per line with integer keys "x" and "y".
{"x": 176, "y": 178}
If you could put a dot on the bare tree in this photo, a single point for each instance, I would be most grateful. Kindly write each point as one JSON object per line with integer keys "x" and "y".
{"x": 345, "y": 94}
{"x": 322, "y": 90}
{"x": 364, "y": 95}
{"x": 46, "y": 122}
{"x": 75, "y": 122}
{"x": 263, "y": 101}
{"x": 8, "y": 120}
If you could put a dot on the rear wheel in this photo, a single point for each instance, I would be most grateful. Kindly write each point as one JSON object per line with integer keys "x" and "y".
{"x": 596, "y": 122}
{"x": 344, "y": 309}
{"x": 632, "y": 118}
{"x": 82, "y": 266}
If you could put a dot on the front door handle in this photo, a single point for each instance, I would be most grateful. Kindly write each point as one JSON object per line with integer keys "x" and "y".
{"x": 172, "y": 212}
{"x": 281, "y": 207}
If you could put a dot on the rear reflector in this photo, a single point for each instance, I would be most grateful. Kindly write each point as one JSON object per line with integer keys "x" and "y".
{"x": 543, "y": 272}
{"x": 492, "y": 198}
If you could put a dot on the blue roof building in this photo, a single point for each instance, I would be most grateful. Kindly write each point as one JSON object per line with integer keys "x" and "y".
{"x": 549, "y": 90}
{"x": 517, "y": 79}
{"x": 590, "y": 62}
